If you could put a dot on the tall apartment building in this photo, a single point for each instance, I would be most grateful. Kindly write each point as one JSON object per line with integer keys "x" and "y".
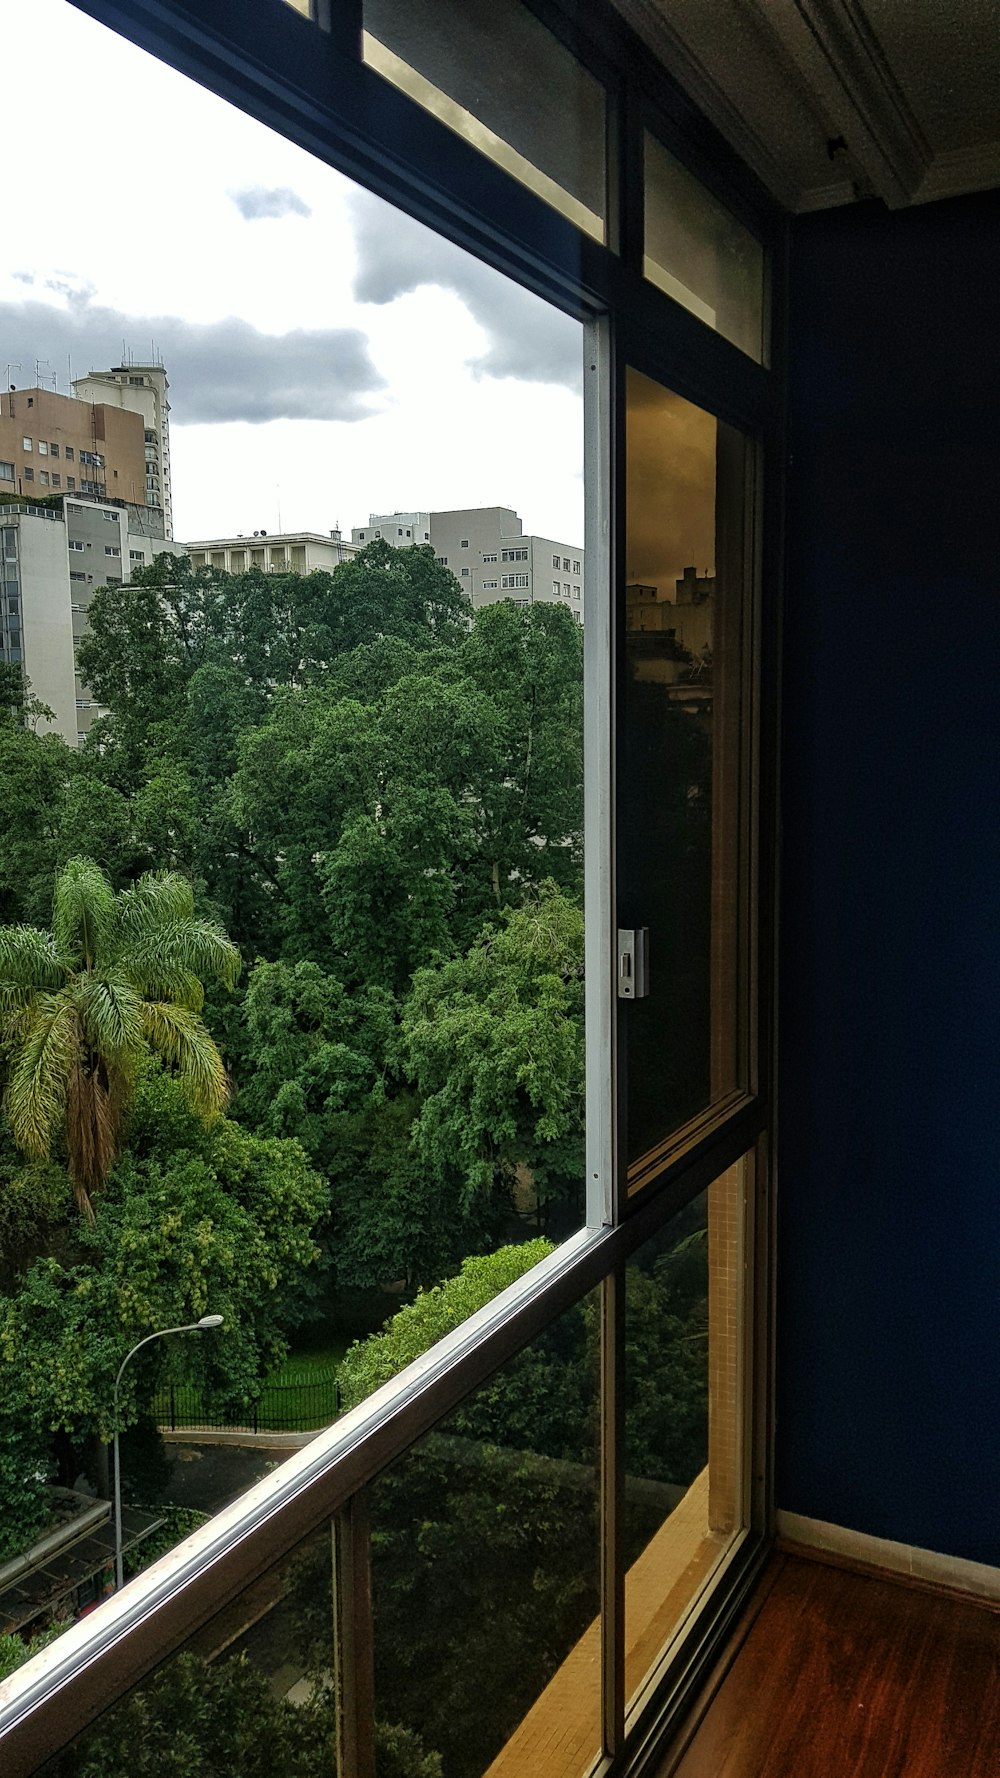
{"x": 140, "y": 389}
{"x": 488, "y": 553}
{"x": 59, "y": 444}
{"x": 53, "y": 558}
{"x": 275, "y": 552}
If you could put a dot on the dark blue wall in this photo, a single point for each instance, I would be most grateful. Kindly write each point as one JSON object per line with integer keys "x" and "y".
{"x": 889, "y": 1184}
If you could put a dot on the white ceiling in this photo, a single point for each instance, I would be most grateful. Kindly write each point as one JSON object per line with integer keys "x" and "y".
{"x": 832, "y": 100}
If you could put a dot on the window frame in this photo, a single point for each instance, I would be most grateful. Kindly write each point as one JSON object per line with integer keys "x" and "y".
{"x": 307, "y": 81}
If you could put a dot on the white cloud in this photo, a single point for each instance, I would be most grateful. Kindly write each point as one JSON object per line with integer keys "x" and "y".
{"x": 337, "y": 349}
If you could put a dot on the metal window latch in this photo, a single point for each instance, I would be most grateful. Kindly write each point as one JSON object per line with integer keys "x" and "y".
{"x": 633, "y": 962}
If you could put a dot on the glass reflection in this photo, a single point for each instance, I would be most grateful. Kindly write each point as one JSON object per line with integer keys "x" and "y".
{"x": 485, "y": 1571}
{"x": 481, "y": 66}
{"x": 681, "y": 766}
{"x": 684, "y": 1490}
{"x": 700, "y": 255}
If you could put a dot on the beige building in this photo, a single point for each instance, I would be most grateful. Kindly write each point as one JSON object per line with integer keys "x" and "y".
{"x": 285, "y": 552}
{"x": 53, "y": 443}
{"x": 487, "y": 551}
{"x": 140, "y": 389}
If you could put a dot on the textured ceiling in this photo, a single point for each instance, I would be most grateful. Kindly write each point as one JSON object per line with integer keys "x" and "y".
{"x": 830, "y": 100}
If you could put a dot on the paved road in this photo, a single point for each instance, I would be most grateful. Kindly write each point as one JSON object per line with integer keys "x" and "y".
{"x": 210, "y": 1476}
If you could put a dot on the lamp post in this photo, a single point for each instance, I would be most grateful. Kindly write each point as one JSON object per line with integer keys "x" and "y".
{"x": 188, "y": 1327}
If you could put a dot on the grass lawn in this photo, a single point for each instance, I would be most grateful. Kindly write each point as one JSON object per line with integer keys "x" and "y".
{"x": 300, "y": 1392}
{"x": 299, "y": 1396}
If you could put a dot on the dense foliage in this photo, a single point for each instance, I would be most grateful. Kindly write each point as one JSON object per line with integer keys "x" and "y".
{"x": 370, "y": 797}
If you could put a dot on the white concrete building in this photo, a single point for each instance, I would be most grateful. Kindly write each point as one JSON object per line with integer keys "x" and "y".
{"x": 489, "y": 555}
{"x": 53, "y": 561}
{"x": 284, "y": 552}
{"x": 140, "y": 389}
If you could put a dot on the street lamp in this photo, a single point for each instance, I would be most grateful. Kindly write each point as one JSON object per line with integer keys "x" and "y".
{"x": 189, "y": 1327}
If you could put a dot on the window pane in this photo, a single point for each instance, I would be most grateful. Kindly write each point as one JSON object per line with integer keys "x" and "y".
{"x": 496, "y": 76}
{"x": 684, "y": 1484}
{"x": 250, "y": 1694}
{"x": 700, "y": 255}
{"x": 681, "y": 765}
{"x": 485, "y": 1570}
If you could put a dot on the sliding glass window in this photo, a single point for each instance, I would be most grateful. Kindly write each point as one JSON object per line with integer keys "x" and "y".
{"x": 683, "y": 805}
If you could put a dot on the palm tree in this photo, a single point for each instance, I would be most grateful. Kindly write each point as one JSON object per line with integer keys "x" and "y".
{"x": 119, "y": 976}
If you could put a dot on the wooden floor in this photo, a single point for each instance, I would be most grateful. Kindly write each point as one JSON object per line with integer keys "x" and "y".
{"x": 845, "y": 1675}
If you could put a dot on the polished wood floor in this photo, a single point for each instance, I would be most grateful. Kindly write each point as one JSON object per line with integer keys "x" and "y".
{"x": 847, "y": 1675}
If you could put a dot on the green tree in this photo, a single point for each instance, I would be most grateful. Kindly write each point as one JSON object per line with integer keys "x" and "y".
{"x": 529, "y": 662}
{"x": 36, "y": 772}
{"x": 494, "y": 1044}
{"x": 25, "y": 1469}
{"x": 117, "y": 977}
{"x": 194, "y": 1219}
{"x": 221, "y": 1719}
{"x": 420, "y": 1324}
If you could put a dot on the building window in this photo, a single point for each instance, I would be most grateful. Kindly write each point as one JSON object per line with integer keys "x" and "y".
{"x": 53, "y": 450}
{"x": 71, "y": 481}
{"x": 443, "y": 560}
{"x": 464, "y": 543}
{"x": 43, "y": 476}
{"x": 135, "y": 555}
{"x": 43, "y": 449}
{"x": 556, "y": 561}
{"x": 465, "y": 570}
{"x": 77, "y": 574}
{"x": 565, "y": 564}
{"x": 57, "y": 481}
{"x": 112, "y": 549}
{"x": 112, "y": 518}
{"x": 490, "y": 556}
{"x": 6, "y": 472}
{"x": 26, "y": 444}
{"x": 555, "y": 588}
{"x": 566, "y": 588}
{"x": 69, "y": 453}
{"x": 576, "y": 592}
{"x": 29, "y": 475}
{"x": 509, "y": 581}
{"x": 74, "y": 543}
{"x": 513, "y": 555}
{"x": 576, "y": 567}
{"x": 489, "y": 586}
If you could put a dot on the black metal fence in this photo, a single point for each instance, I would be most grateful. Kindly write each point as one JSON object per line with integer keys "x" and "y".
{"x": 292, "y": 1406}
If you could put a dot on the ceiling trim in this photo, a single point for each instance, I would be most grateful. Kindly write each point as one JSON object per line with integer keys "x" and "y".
{"x": 690, "y": 73}
{"x": 956, "y": 171}
{"x": 836, "y": 49}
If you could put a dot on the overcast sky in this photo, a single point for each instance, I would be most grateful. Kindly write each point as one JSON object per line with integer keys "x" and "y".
{"x": 316, "y": 341}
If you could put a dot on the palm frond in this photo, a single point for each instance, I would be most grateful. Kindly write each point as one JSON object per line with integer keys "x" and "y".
{"x": 109, "y": 1009}
{"x": 198, "y": 946}
{"x": 28, "y": 959}
{"x": 158, "y": 899}
{"x": 35, "y": 1098}
{"x": 184, "y": 1042}
{"x": 83, "y": 912}
{"x": 156, "y": 977}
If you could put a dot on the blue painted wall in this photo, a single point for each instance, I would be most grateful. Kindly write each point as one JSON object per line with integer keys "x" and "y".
{"x": 889, "y": 1185}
